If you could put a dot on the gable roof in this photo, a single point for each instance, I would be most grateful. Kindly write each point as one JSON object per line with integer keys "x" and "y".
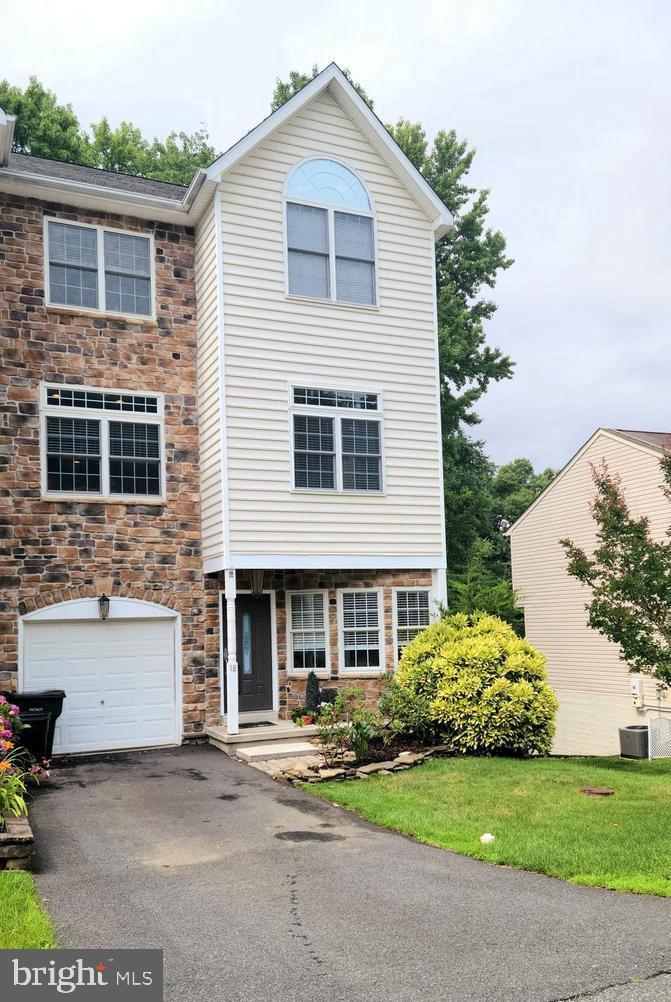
{"x": 658, "y": 440}
{"x": 651, "y": 441}
{"x": 112, "y": 191}
{"x": 334, "y": 80}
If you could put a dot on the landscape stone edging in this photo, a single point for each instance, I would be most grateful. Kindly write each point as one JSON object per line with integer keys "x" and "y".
{"x": 17, "y": 843}
{"x": 324, "y": 774}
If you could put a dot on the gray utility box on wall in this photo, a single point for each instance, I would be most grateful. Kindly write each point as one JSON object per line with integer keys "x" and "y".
{"x": 634, "y": 741}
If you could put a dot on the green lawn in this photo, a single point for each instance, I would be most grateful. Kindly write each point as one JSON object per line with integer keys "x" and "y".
{"x": 24, "y": 924}
{"x": 534, "y": 808}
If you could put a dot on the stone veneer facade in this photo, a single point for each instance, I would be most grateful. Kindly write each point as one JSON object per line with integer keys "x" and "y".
{"x": 51, "y": 551}
{"x": 54, "y": 551}
{"x": 292, "y": 686}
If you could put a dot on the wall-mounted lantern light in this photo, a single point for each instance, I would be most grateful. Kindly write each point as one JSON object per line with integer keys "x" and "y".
{"x": 103, "y": 606}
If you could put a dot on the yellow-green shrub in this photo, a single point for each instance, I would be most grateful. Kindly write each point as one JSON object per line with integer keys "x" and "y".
{"x": 487, "y": 688}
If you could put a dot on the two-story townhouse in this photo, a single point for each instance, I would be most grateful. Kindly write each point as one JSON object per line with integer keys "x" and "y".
{"x": 166, "y": 584}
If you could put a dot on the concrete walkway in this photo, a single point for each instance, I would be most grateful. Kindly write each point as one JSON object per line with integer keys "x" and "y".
{"x": 257, "y": 892}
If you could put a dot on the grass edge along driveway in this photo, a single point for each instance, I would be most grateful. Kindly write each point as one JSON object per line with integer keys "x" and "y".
{"x": 535, "y": 809}
{"x": 24, "y": 922}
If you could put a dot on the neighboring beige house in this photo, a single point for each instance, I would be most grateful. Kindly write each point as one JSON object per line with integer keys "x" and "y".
{"x": 596, "y": 692}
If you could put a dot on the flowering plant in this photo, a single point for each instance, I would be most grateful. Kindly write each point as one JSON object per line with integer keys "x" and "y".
{"x": 16, "y": 771}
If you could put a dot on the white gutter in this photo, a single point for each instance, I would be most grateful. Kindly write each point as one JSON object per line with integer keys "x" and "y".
{"x": 115, "y": 194}
{"x": 7, "y": 123}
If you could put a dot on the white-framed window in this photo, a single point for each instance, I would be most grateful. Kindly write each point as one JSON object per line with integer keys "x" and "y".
{"x": 307, "y": 630}
{"x": 101, "y": 444}
{"x": 361, "y": 630}
{"x": 97, "y": 268}
{"x": 330, "y": 234}
{"x": 336, "y": 440}
{"x": 411, "y": 615}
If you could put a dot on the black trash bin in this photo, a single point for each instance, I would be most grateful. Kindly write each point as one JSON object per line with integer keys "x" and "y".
{"x": 40, "y": 710}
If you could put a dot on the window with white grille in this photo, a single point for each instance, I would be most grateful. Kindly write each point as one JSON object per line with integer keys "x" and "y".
{"x": 412, "y": 616}
{"x": 361, "y": 630}
{"x": 94, "y": 268}
{"x": 330, "y": 234}
{"x": 332, "y": 451}
{"x": 314, "y": 452}
{"x": 89, "y": 449}
{"x": 361, "y": 455}
{"x": 308, "y": 620}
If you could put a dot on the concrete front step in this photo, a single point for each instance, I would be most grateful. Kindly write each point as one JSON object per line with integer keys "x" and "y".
{"x": 284, "y": 730}
{"x": 267, "y": 737}
{"x": 275, "y": 749}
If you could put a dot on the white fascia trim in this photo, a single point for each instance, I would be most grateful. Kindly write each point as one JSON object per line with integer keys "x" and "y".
{"x": 221, "y": 349}
{"x": 332, "y": 77}
{"x": 441, "y": 463}
{"x": 114, "y": 194}
{"x": 606, "y": 433}
{"x": 187, "y": 212}
{"x": 197, "y": 182}
{"x": 212, "y": 565}
{"x": 7, "y": 123}
{"x": 331, "y": 561}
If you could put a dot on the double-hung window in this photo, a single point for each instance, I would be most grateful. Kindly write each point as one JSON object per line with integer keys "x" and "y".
{"x": 94, "y": 268}
{"x": 102, "y": 443}
{"x": 361, "y": 628}
{"x": 330, "y": 234}
{"x": 412, "y": 616}
{"x": 333, "y": 449}
{"x": 307, "y": 615}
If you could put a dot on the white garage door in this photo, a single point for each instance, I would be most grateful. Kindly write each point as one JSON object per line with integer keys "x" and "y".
{"x": 118, "y": 676}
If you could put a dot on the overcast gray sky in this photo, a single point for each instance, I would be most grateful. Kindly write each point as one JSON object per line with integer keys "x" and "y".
{"x": 567, "y": 104}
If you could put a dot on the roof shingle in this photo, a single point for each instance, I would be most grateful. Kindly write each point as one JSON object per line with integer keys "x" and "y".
{"x": 43, "y": 167}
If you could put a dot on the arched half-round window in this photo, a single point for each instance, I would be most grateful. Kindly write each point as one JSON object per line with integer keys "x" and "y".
{"x": 330, "y": 234}
{"x": 329, "y": 182}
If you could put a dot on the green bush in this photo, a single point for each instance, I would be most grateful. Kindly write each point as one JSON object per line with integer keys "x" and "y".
{"x": 486, "y": 688}
{"x": 347, "y": 724}
{"x": 312, "y": 693}
{"x": 406, "y": 714}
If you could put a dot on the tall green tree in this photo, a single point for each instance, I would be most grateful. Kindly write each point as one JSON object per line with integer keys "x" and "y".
{"x": 284, "y": 89}
{"x": 469, "y": 259}
{"x": 46, "y": 128}
{"x": 629, "y": 575}
{"x": 514, "y": 487}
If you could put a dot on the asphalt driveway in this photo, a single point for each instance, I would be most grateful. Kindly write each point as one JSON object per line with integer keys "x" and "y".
{"x": 258, "y": 892}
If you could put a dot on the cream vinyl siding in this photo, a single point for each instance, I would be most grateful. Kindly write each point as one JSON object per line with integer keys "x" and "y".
{"x": 592, "y": 684}
{"x": 273, "y": 342}
{"x": 209, "y": 424}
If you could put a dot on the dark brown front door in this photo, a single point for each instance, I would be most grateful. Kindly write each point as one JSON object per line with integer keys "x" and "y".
{"x": 255, "y": 656}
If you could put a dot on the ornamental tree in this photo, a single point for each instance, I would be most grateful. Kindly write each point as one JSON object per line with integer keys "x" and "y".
{"x": 630, "y": 577}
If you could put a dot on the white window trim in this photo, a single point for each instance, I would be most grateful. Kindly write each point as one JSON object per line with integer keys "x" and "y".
{"x": 330, "y": 210}
{"x": 395, "y": 592}
{"x": 337, "y": 413}
{"x": 48, "y": 410}
{"x": 304, "y": 672}
{"x": 101, "y": 309}
{"x": 361, "y": 672}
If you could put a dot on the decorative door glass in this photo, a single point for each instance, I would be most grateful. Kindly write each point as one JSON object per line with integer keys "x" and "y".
{"x": 246, "y": 643}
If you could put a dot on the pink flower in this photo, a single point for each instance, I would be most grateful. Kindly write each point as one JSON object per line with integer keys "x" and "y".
{"x": 3, "y": 699}
{"x": 13, "y": 711}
